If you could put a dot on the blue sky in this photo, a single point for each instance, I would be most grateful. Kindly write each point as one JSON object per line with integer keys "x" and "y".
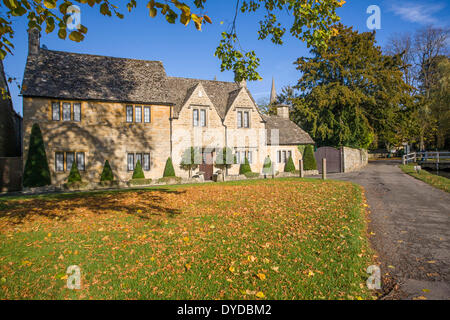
{"x": 186, "y": 52}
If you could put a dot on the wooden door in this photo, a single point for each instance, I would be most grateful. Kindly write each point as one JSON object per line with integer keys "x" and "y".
{"x": 207, "y": 165}
{"x": 334, "y": 159}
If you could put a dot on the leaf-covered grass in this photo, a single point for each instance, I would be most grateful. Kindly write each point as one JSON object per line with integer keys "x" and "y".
{"x": 440, "y": 182}
{"x": 255, "y": 239}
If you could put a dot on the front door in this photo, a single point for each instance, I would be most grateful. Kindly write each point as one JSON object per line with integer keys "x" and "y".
{"x": 207, "y": 165}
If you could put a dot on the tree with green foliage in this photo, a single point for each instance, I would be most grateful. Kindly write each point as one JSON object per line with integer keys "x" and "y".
{"x": 245, "y": 167}
{"x": 74, "y": 175}
{"x": 168, "y": 169}
{"x": 138, "y": 173}
{"x": 312, "y": 23}
{"x": 191, "y": 159}
{"x": 309, "y": 160}
{"x": 267, "y": 167}
{"x": 107, "y": 174}
{"x": 350, "y": 91}
{"x": 36, "y": 173}
{"x": 289, "y": 166}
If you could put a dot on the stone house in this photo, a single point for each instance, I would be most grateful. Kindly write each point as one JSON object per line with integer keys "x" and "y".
{"x": 95, "y": 108}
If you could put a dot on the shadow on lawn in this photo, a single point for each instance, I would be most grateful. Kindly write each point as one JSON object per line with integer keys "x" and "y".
{"x": 143, "y": 204}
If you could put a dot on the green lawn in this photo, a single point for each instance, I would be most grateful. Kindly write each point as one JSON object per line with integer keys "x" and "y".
{"x": 257, "y": 239}
{"x": 440, "y": 182}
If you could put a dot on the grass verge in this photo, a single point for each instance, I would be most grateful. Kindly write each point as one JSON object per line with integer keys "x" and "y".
{"x": 254, "y": 239}
{"x": 440, "y": 182}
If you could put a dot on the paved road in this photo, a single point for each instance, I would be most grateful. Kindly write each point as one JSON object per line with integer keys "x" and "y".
{"x": 411, "y": 222}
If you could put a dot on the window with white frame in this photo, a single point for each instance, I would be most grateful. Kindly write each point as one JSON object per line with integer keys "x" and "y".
{"x": 77, "y": 112}
{"x": 130, "y": 161}
{"x": 239, "y": 119}
{"x": 81, "y": 161}
{"x": 203, "y": 118}
{"x": 283, "y": 156}
{"x": 70, "y": 158}
{"x": 66, "y": 111}
{"x": 250, "y": 157}
{"x": 56, "y": 111}
{"x": 146, "y": 160}
{"x": 147, "y": 114}
{"x": 143, "y": 158}
{"x": 59, "y": 161}
{"x": 246, "y": 119}
{"x": 195, "y": 117}
{"x": 138, "y": 114}
{"x": 129, "y": 113}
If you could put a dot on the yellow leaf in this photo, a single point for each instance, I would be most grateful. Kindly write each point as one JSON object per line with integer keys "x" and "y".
{"x": 231, "y": 269}
{"x": 187, "y": 266}
{"x": 359, "y": 298}
{"x": 186, "y": 239}
{"x": 260, "y": 295}
{"x": 310, "y": 274}
{"x": 261, "y": 276}
{"x": 49, "y": 235}
{"x": 251, "y": 258}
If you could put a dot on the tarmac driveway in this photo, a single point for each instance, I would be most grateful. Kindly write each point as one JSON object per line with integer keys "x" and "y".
{"x": 410, "y": 230}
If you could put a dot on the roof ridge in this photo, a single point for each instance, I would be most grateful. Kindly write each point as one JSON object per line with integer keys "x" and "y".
{"x": 186, "y": 78}
{"x": 99, "y": 56}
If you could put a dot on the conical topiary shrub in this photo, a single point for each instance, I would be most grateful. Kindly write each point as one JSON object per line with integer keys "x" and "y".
{"x": 138, "y": 173}
{"x": 245, "y": 167}
{"x": 74, "y": 175}
{"x": 36, "y": 173}
{"x": 107, "y": 174}
{"x": 267, "y": 168}
{"x": 168, "y": 170}
{"x": 289, "y": 166}
{"x": 309, "y": 161}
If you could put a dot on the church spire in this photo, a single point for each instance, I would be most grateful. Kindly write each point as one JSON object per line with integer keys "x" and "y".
{"x": 273, "y": 93}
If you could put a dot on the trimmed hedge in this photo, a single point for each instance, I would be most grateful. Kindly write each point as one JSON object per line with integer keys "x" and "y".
{"x": 139, "y": 182}
{"x": 309, "y": 161}
{"x": 245, "y": 167}
{"x": 289, "y": 166}
{"x": 251, "y": 175}
{"x": 74, "y": 175}
{"x": 107, "y": 174}
{"x": 36, "y": 173}
{"x": 138, "y": 173}
{"x": 169, "y": 170}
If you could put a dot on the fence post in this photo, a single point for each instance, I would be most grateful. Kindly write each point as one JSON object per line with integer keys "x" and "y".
{"x": 324, "y": 168}
{"x": 300, "y": 168}
{"x": 404, "y": 160}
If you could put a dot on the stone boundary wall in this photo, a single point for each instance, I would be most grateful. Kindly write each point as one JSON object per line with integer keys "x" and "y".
{"x": 354, "y": 159}
{"x": 11, "y": 174}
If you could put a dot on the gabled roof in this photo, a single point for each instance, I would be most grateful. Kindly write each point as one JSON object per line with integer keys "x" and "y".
{"x": 181, "y": 89}
{"x": 289, "y": 132}
{"x": 66, "y": 75}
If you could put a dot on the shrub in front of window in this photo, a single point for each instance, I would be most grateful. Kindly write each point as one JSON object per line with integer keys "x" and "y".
{"x": 309, "y": 161}
{"x": 36, "y": 173}
{"x": 74, "y": 175}
{"x": 107, "y": 174}
{"x": 138, "y": 173}
{"x": 289, "y": 166}
{"x": 168, "y": 170}
{"x": 245, "y": 167}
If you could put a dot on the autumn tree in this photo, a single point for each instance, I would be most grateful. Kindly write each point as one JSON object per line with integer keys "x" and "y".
{"x": 312, "y": 23}
{"x": 350, "y": 91}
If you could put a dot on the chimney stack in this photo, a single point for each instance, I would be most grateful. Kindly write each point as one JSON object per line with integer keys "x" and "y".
{"x": 33, "y": 41}
{"x": 283, "y": 111}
